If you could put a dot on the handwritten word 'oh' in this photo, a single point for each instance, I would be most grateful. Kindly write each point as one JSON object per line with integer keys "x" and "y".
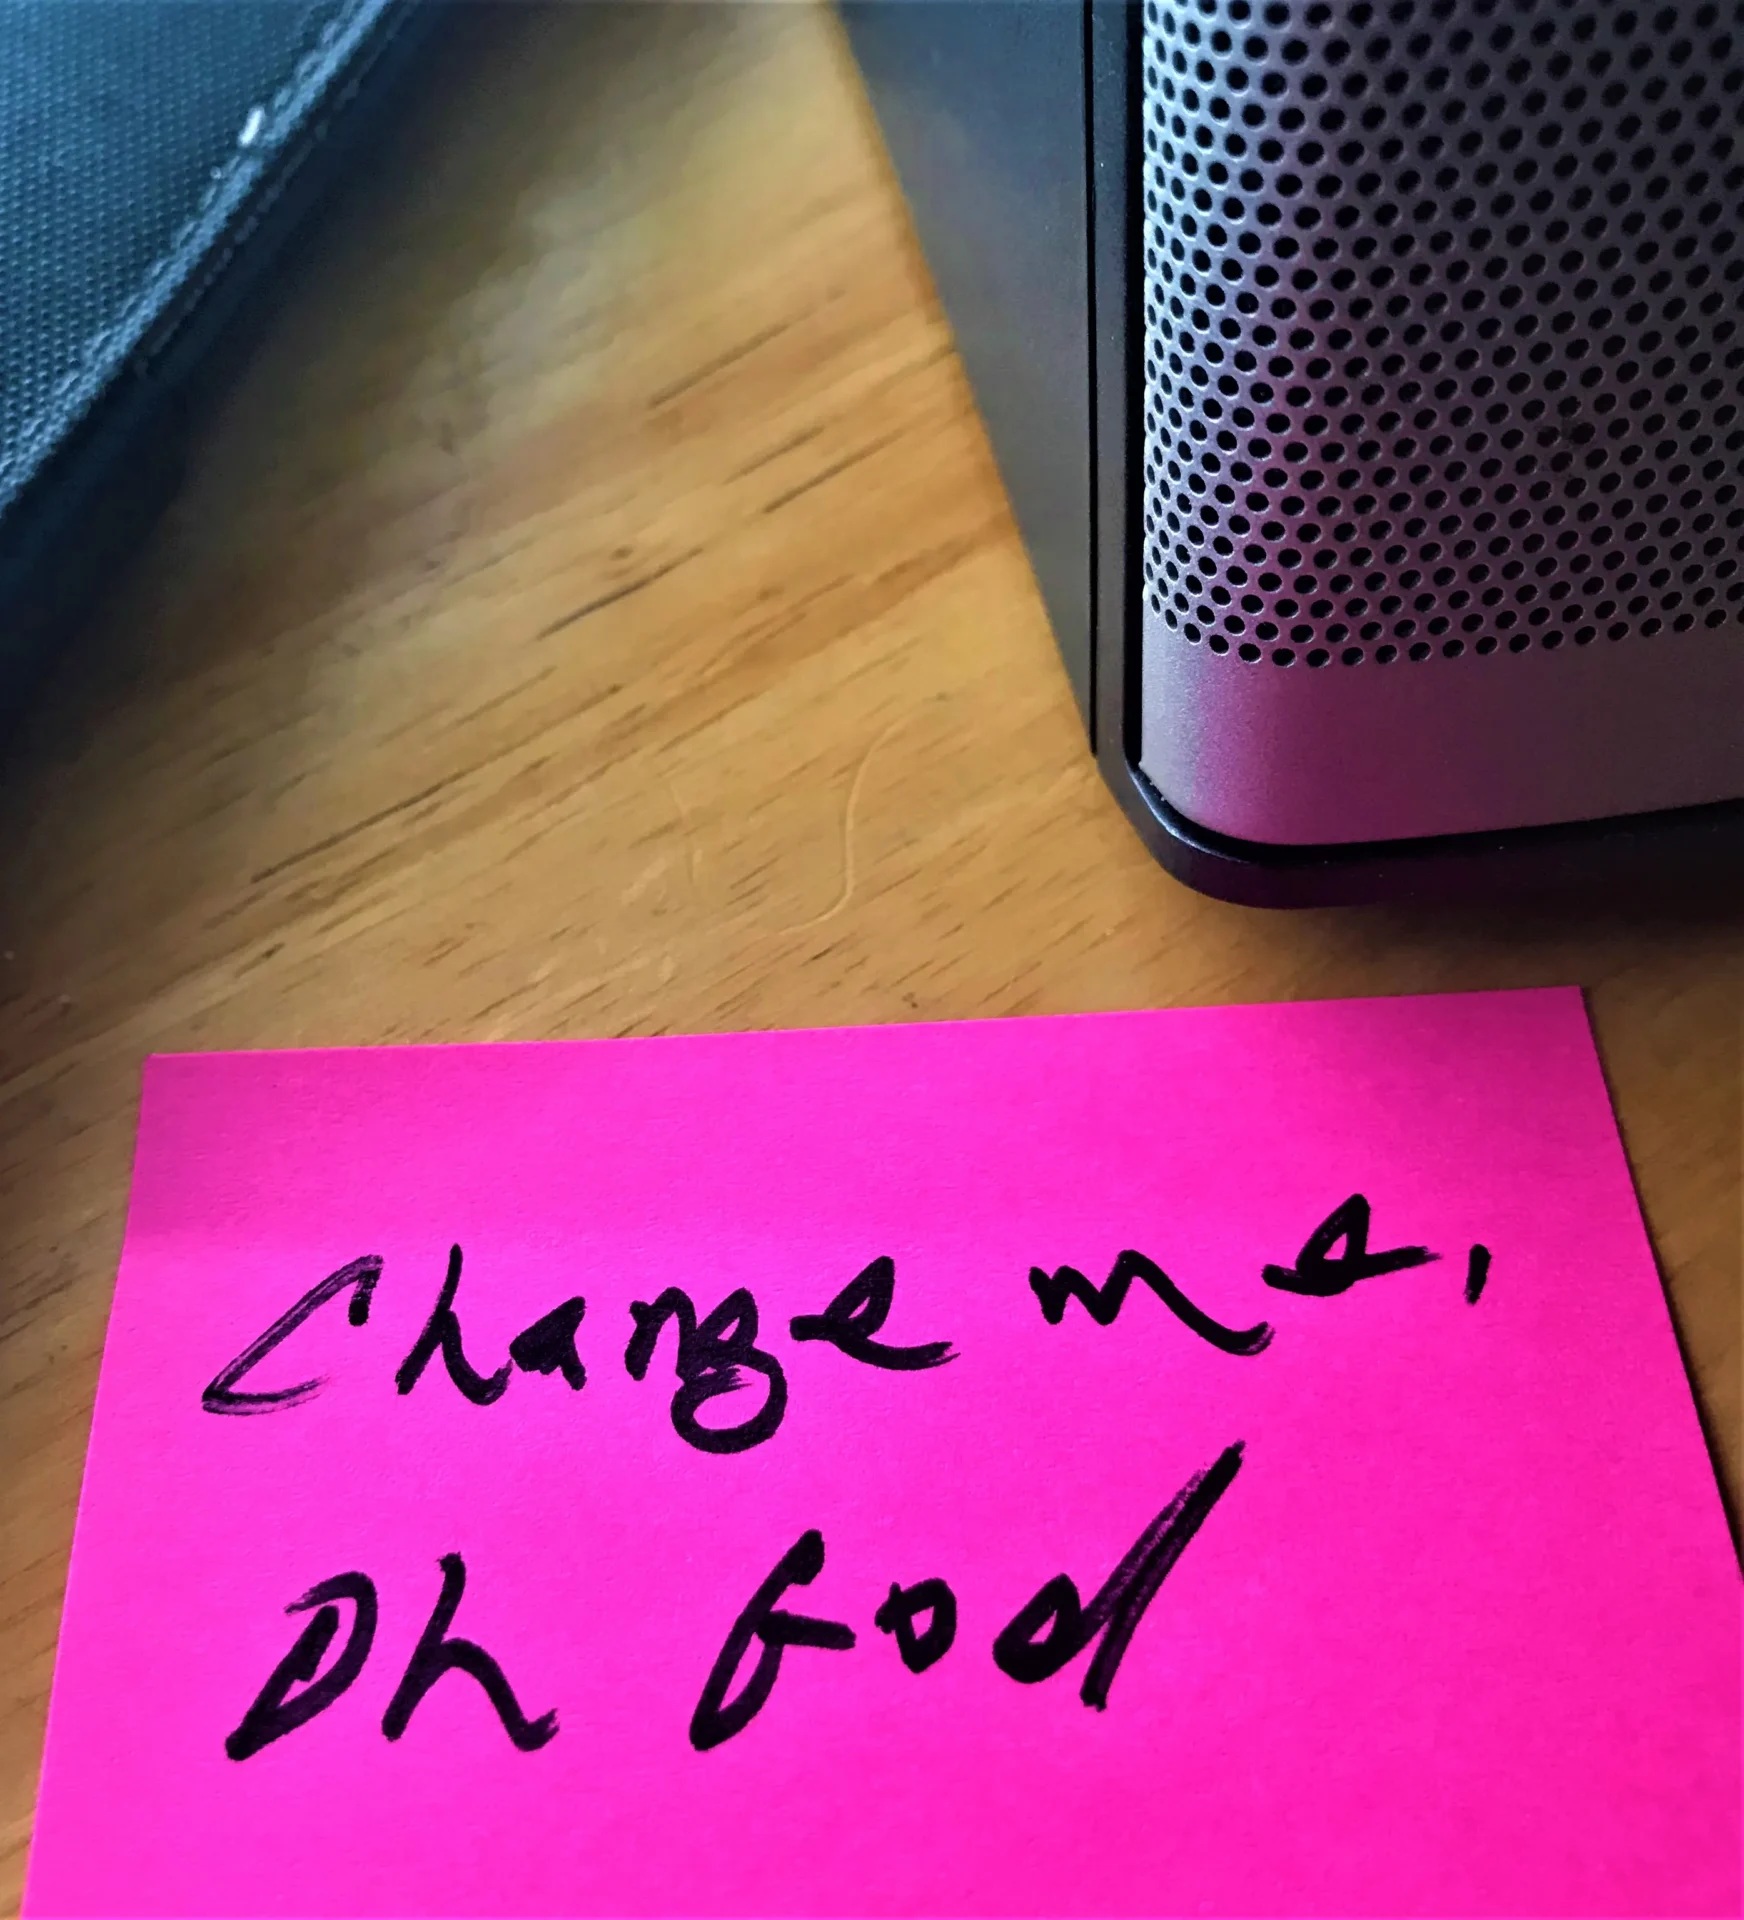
{"x": 276, "y": 1710}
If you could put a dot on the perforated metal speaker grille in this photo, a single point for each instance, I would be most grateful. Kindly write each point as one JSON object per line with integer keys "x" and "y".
{"x": 1444, "y": 324}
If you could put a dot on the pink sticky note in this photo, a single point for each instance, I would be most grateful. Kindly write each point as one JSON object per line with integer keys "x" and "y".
{"x": 1295, "y": 1580}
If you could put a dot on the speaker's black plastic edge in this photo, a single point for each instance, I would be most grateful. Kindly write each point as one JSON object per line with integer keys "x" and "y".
{"x": 1676, "y": 854}
{"x": 90, "y": 504}
{"x": 1647, "y": 858}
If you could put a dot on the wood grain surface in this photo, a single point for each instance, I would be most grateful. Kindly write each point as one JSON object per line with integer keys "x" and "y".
{"x": 596, "y": 612}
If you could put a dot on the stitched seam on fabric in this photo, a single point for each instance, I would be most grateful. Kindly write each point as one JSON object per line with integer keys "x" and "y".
{"x": 106, "y": 347}
{"x": 214, "y": 268}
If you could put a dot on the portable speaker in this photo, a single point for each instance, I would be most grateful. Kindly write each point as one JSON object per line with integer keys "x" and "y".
{"x": 1366, "y": 378}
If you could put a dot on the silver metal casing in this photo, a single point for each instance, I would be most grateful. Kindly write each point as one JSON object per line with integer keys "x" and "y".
{"x": 1443, "y": 434}
{"x": 1366, "y": 379}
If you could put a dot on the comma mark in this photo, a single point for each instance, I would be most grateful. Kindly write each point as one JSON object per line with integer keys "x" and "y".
{"x": 1477, "y": 1274}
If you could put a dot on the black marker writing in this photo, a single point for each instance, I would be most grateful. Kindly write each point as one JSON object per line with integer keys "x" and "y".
{"x": 548, "y": 1345}
{"x": 1318, "y": 1273}
{"x": 220, "y": 1396}
{"x": 442, "y": 1330}
{"x": 710, "y": 1357}
{"x": 716, "y": 1717}
{"x": 437, "y": 1654}
{"x": 1477, "y": 1274}
{"x": 1103, "y": 1303}
{"x": 904, "y": 1606}
{"x": 857, "y": 1313}
{"x": 1120, "y": 1602}
{"x": 276, "y": 1711}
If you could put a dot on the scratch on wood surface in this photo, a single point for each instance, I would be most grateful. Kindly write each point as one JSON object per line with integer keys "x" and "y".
{"x": 830, "y": 472}
{"x": 617, "y": 594}
{"x": 718, "y": 364}
{"x": 775, "y": 452}
{"x": 338, "y": 838}
{"x": 839, "y": 905}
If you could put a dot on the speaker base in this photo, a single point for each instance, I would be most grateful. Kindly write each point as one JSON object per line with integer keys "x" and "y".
{"x": 1686, "y": 859}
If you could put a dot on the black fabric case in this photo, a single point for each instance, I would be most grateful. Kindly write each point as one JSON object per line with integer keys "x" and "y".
{"x": 156, "y": 158}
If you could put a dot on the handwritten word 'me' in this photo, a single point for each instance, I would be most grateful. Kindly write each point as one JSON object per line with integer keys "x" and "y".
{"x": 1319, "y": 1272}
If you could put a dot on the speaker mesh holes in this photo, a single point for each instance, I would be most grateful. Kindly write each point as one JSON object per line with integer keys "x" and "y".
{"x": 1444, "y": 325}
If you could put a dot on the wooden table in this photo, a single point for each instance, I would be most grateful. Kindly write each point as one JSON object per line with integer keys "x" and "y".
{"x": 597, "y": 613}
